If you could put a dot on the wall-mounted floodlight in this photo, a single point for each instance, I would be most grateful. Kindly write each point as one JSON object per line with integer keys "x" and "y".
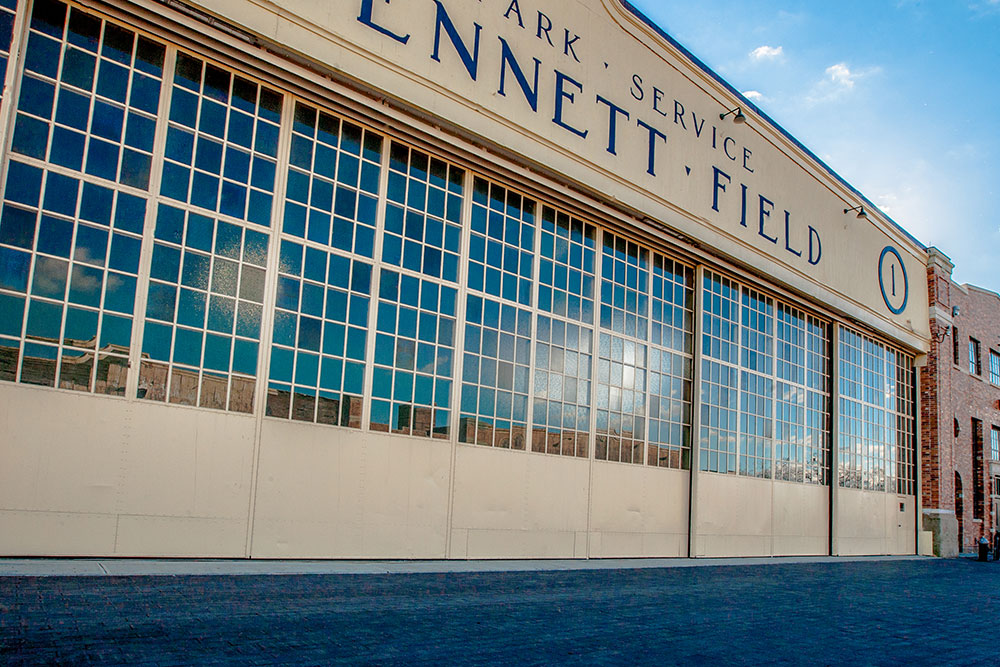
{"x": 862, "y": 213}
{"x": 955, "y": 311}
{"x": 739, "y": 118}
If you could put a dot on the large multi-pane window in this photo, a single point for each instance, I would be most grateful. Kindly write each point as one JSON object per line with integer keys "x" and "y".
{"x": 561, "y": 393}
{"x": 802, "y": 442}
{"x": 69, "y": 262}
{"x": 621, "y": 399}
{"x": 222, "y": 142}
{"x": 89, "y": 95}
{"x": 671, "y": 367}
{"x": 502, "y": 242}
{"x": 320, "y": 336}
{"x": 566, "y": 266}
{"x": 203, "y": 312}
{"x": 622, "y": 361}
{"x": 624, "y": 287}
{"x": 334, "y": 168}
{"x": 994, "y": 368}
{"x": 720, "y": 373}
{"x": 74, "y": 202}
{"x": 495, "y": 374}
{"x": 756, "y": 384}
{"x": 416, "y": 318}
{"x": 765, "y": 386}
{"x": 876, "y": 451}
{"x": 995, "y": 443}
{"x": 207, "y": 278}
{"x": 423, "y": 219}
{"x": 906, "y": 424}
{"x": 414, "y": 349}
{"x": 323, "y": 298}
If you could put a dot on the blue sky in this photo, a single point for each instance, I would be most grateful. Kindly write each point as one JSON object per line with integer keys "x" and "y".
{"x": 901, "y": 98}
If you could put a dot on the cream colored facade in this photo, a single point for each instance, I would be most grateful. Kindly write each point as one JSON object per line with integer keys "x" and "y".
{"x": 582, "y": 105}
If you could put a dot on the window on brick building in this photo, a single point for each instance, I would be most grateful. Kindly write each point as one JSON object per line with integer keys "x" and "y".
{"x": 995, "y": 443}
{"x": 975, "y": 360}
{"x": 978, "y": 465}
{"x": 996, "y": 486}
{"x": 994, "y": 368}
{"x": 955, "y": 349}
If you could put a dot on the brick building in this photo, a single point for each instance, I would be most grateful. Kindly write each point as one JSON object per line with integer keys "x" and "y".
{"x": 960, "y": 411}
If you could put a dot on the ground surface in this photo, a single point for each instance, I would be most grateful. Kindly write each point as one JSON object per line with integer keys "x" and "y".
{"x": 879, "y": 612}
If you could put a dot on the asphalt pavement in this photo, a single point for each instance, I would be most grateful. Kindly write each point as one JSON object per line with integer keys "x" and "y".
{"x": 792, "y": 611}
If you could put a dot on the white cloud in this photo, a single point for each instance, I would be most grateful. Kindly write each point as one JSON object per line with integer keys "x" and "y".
{"x": 767, "y": 53}
{"x": 985, "y": 8}
{"x": 841, "y": 75}
{"x": 887, "y": 202}
{"x": 753, "y": 95}
{"x": 838, "y": 80}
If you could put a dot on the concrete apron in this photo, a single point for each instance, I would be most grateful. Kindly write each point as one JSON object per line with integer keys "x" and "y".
{"x": 128, "y": 567}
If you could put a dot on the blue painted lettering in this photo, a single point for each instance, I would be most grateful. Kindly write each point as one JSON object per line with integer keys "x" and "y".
{"x": 815, "y": 249}
{"x": 679, "y": 114}
{"x": 653, "y": 135}
{"x": 613, "y": 112}
{"x": 562, "y": 96}
{"x": 697, "y": 128}
{"x": 743, "y": 206}
{"x": 765, "y": 213}
{"x": 657, "y": 96}
{"x": 568, "y": 45}
{"x": 788, "y": 236}
{"x": 470, "y": 60}
{"x": 636, "y": 88}
{"x": 514, "y": 7}
{"x": 544, "y": 26}
{"x": 365, "y": 17}
{"x": 725, "y": 147}
{"x": 719, "y": 187}
{"x": 507, "y": 60}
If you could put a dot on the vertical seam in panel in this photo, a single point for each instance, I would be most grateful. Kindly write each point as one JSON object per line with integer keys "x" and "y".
{"x": 695, "y": 456}
{"x": 833, "y": 466}
{"x": 595, "y": 347}
{"x": 268, "y": 309}
{"x": 455, "y": 419}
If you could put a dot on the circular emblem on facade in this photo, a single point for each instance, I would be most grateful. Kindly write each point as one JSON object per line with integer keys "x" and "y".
{"x": 892, "y": 279}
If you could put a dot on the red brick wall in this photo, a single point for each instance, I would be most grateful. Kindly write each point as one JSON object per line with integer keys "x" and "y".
{"x": 948, "y": 392}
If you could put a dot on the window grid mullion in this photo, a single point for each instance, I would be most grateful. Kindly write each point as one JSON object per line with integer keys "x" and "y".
{"x": 377, "y": 268}
{"x": 535, "y": 310}
{"x": 458, "y": 362}
{"x": 595, "y": 348}
{"x": 15, "y": 64}
{"x": 273, "y": 261}
{"x": 149, "y": 224}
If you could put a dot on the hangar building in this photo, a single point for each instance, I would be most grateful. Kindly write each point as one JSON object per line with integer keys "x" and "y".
{"x": 433, "y": 279}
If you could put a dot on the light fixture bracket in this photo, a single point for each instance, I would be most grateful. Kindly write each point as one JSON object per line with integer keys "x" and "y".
{"x": 739, "y": 118}
{"x": 862, "y": 213}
